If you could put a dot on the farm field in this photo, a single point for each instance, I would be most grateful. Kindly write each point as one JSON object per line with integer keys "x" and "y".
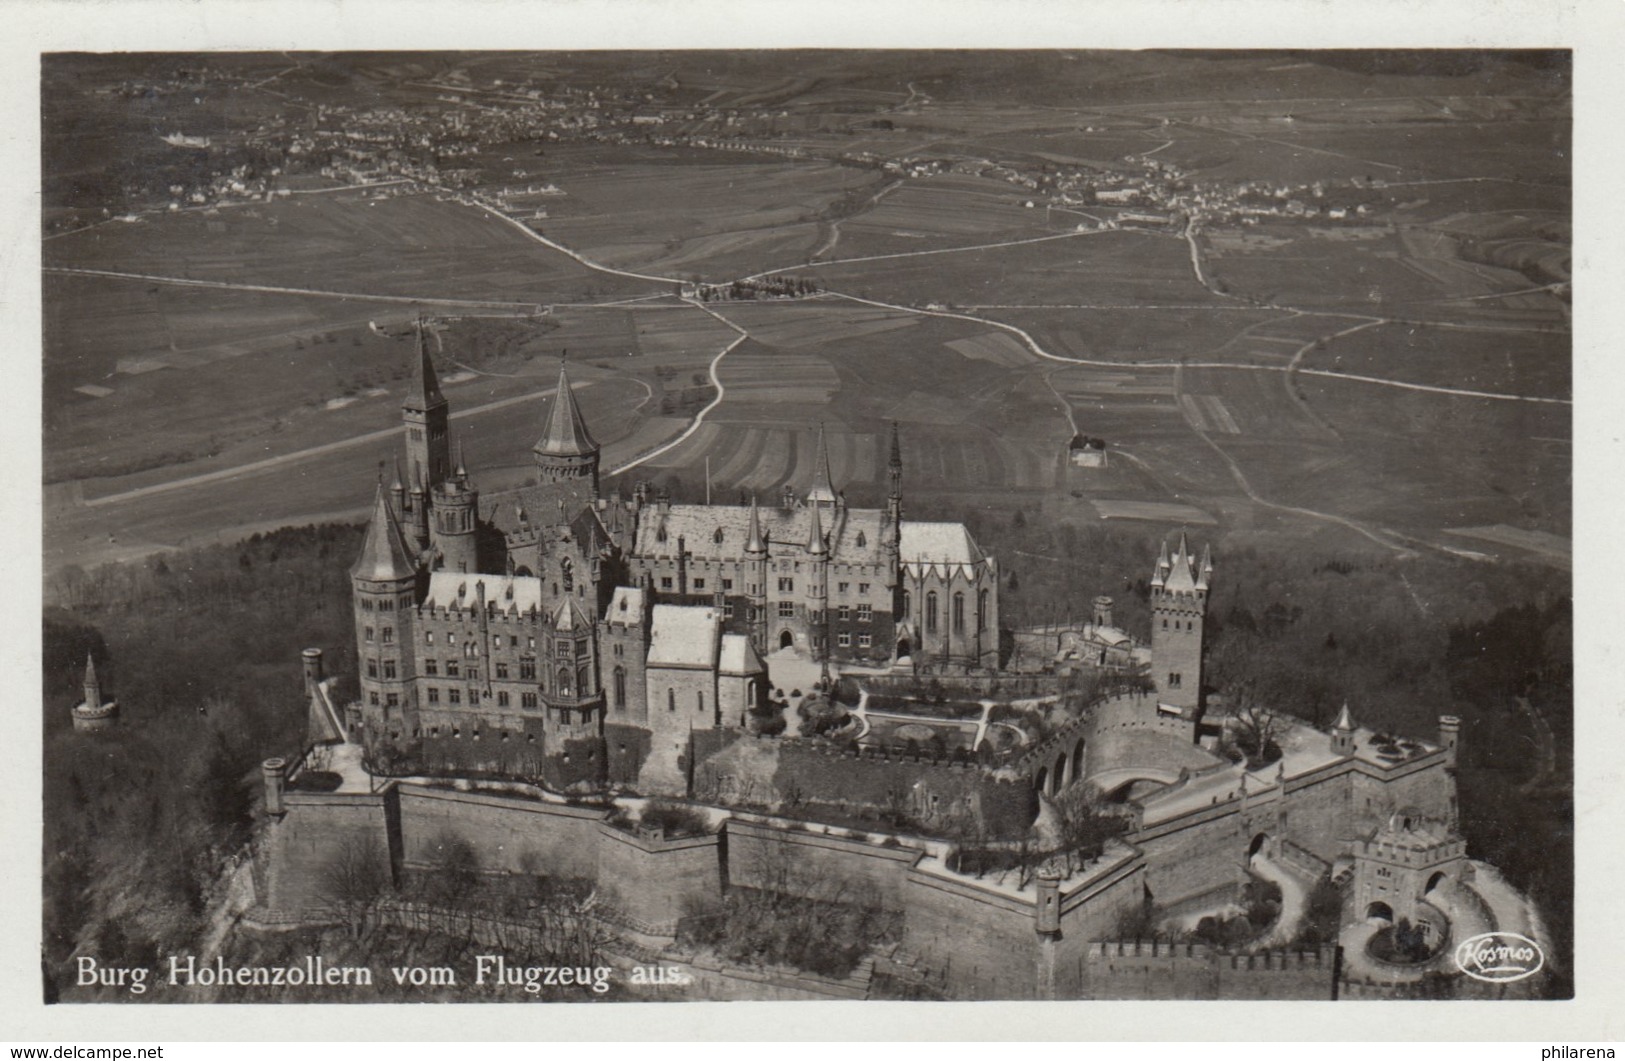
{"x": 1125, "y": 268}
{"x": 1503, "y": 361}
{"x": 1213, "y": 331}
{"x": 409, "y": 246}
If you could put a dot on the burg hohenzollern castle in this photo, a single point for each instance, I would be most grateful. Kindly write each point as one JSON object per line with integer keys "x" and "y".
{"x": 827, "y": 689}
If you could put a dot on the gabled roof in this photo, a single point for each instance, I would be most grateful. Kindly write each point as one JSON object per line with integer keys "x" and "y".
{"x": 626, "y": 606}
{"x": 504, "y": 593}
{"x": 739, "y": 657}
{"x": 568, "y": 618}
{"x": 683, "y": 636}
{"x": 943, "y": 543}
{"x": 567, "y": 434}
{"x": 385, "y": 556}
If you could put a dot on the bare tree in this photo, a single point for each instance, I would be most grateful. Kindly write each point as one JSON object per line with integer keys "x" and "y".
{"x": 353, "y": 880}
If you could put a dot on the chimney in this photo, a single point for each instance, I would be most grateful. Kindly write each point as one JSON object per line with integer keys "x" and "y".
{"x": 275, "y": 772}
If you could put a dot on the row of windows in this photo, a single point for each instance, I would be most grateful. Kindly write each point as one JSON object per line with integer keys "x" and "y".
{"x": 699, "y": 698}
{"x": 844, "y": 639}
{"x": 387, "y": 605}
{"x": 957, "y": 611}
{"x": 1188, "y": 625}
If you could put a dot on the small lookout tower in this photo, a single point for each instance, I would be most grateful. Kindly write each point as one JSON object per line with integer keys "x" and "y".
{"x": 93, "y": 712}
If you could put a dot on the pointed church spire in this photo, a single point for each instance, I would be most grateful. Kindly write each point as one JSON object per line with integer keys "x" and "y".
{"x": 754, "y": 545}
{"x": 93, "y": 687}
{"x": 815, "y": 535}
{"x": 567, "y": 434}
{"x": 425, "y": 393}
{"x": 896, "y": 461}
{"x": 823, "y": 487}
{"x": 385, "y": 556}
{"x": 1345, "y": 722}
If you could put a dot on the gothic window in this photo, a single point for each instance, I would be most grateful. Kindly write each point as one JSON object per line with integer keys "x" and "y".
{"x": 863, "y": 539}
{"x": 908, "y": 603}
{"x": 562, "y": 647}
{"x": 787, "y": 585}
{"x": 387, "y": 635}
{"x": 372, "y": 668}
{"x": 1165, "y": 624}
{"x": 502, "y": 670}
{"x": 428, "y": 637}
{"x": 699, "y": 698}
{"x": 717, "y": 537}
{"x": 372, "y": 698}
{"x": 787, "y": 609}
{"x": 527, "y": 700}
{"x": 727, "y": 584}
{"x": 1173, "y": 680}
{"x": 473, "y": 673}
{"x": 564, "y": 682}
{"x": 841, "y": 587}
{"x": 863, "y": 589}
{"x": 959, "y": 613}
{"x": 502, "y": 699}
{"x": 568, "y": 574}
{"x": 527, "y": 669}
{"x": 366, "y": 604}
{"x": 434, "y": 695}
{"x": 660, "y": 535}
{"x": 386, "y": 605}
{"x": 389, "y": 668}
{"x": 620, "y": 688}
{"x": 981, "y": 611}
{"x": 665, "y": 582}
{"x": 617, "y": 649}
{"x": 453, "y": 668}
{"x": 671, "y": 699}
{"x": 392, "y": 700}
{"x": 584, "y": 680}
{"x": 699, "y": 584}
{"x": 454, "y": 695}
{"x": 931, "y": 612}
{"x": 366, "y": 634}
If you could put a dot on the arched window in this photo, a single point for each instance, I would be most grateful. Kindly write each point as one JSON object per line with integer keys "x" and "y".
{"x": 959, "y": 613}
{"x": 981, "y": 611}
{"x": 699, "y": 697}
{"x": 564, "y": 682}
{"x": 568, "y": 572}
{"x": 931, "y": 612}
{"x": 862, "y": 540}
{"x": 908, "y": 604}
{"x": 671, "y": 699}
{"x": 620, "y": 688}
{"x": 717, "y": 537}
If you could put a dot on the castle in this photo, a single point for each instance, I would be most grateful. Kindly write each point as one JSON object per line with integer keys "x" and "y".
{"x": 579, "y": 640}
{"x": 523, "y": 664}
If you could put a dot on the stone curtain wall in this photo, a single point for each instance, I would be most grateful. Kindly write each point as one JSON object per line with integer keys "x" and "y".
{"x": 810, "y": 863}
{"x": 317, "y": 830}
{"x": 652, "y": 882}
{"x": 1147, "y": 969}
{"x": 508, "y": 833}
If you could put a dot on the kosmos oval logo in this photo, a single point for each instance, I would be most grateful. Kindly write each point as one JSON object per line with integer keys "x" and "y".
{"x": 1499, "y": 957}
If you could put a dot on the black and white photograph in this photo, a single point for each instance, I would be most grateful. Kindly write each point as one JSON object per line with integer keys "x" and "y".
{"x": 889, "y": 523}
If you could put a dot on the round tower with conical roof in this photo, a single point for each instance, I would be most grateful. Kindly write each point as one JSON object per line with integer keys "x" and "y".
{"x": 456, "y": 521}
{"x": 94, "y": 712}
{"x": 567, "y": 452}
{"x": 384, "y": 582}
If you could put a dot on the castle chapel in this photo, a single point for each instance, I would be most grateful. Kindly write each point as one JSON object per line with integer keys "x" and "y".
{"x": 571, "y": 638}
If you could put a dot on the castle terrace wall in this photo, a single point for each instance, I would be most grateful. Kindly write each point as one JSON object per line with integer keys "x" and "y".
{"x": 1195, "y": 852}
{"x": 1150, "y": 969}
{"x": 983, "y": 942}
{"x": 969, "y": 686}
{"x": 508, "y": 833}
{"x": 804, "y": 862}
{"x": 1092, "y": 909}
{"x": 652, "y": 881}
{"x": 315, "y": 829}
{"x": 1128, "y": 731}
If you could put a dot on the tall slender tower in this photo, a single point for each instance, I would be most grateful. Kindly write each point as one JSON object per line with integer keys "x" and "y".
{"x": 822, "y": 491}
{"x": 456, "y": 521}
{"x": 384, "y": 580}
{"x": 756, "y": 580}
{"x": 818, "y": 586}
{"x": 425, "y": 412}
{"x": 1179, "y": 589}
{"x": 891, "y": 533}
{"x": 567, "y": 451}
{"x": 94, "y": 713}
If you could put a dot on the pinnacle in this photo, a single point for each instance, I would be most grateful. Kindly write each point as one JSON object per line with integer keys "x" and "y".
{"x": 567, "y": 434}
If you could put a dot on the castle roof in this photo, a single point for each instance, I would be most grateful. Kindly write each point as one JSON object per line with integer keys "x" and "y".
{"x": 455, "y": 589}
{"x": 385, "y": 556}
{"x": 739, "y": 656}
{"x": 569, "y": 618}
{"x": 625, "y": 606}
{"x": 942, "y": 543}
{"x": 754, "y": 542}
{"x": 567, "y": 434}
{"x": 1345, "y": 721}
{"x": 683, "y": 636}
{"x": 425, "y": 390}
{"x": 816, "y": 546}
{"x": 852, "y": 535}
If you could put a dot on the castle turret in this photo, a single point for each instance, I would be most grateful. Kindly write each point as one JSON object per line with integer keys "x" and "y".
{"x": 420, "y": 513}
{"x": 891, "y": 531}
{"x": 817, "y": 585}
{"x": 312, "y": 660}
{"x": 1103, "y": 612}
{"x": 567, "y": 452}
{"x": 1178, "y": 612}
{"x": 384, "y": 580}
{"x": 1343, "y": 733}
{"x": 425, "y": 413}
{"x": 456, "y": 521}
{"x": 1450, "y": 737}
{"x": 93, "y": 712}
{"x": 274, "y": 772}
{"x": 756, "y": 579}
